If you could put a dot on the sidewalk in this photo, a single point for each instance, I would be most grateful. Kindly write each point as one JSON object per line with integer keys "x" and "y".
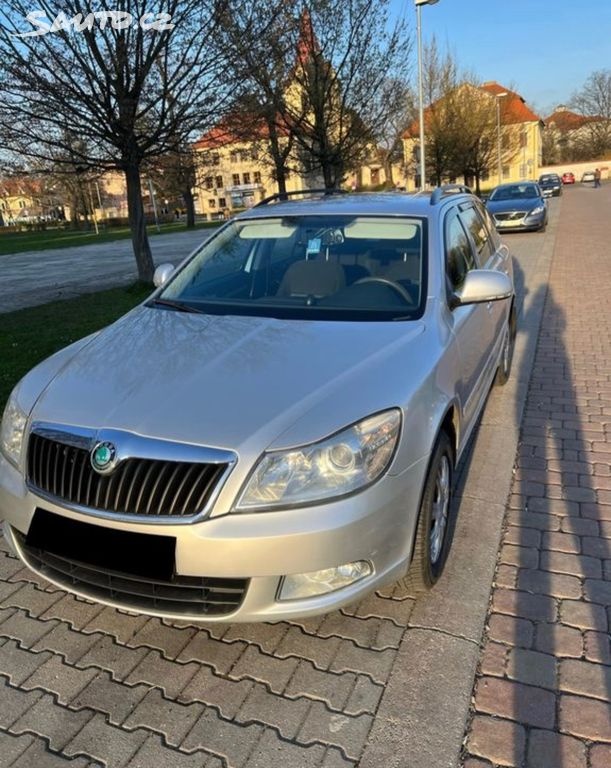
{"x": 542, "y": 695}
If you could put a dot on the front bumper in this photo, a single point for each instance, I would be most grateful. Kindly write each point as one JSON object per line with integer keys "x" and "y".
{"x": 376, "y": 525}
{"x": 526, "y": 223}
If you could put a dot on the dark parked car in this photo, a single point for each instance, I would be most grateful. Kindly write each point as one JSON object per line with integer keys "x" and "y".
{"x": 551, "y": 184}
{"x": 519, "y": 206}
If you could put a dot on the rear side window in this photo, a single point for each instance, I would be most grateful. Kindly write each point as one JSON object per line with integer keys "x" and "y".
{"x": 494, "y": 235}
{"x": 459, "y": 255}
{"x": 477, "y": 229}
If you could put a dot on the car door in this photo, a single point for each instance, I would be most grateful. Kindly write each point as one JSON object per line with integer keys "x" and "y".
{"x": 471, "y": 324}
{"x": 490, "y": 254}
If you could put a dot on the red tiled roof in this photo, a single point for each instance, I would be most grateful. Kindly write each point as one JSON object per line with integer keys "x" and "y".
{"x": 565, "y": 120}
{"x": 24, "y": 186}
{"x": 219, "y": 136}
{"x": 226, "y": 132}
{"x": 513, "y": 109}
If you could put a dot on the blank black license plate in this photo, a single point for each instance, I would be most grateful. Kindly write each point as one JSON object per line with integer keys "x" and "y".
{"x": 140, "y": 554}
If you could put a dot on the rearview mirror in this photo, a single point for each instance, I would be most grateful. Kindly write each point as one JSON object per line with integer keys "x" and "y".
{"x": 481, "y": 286}
{"x": 162, "y": 274}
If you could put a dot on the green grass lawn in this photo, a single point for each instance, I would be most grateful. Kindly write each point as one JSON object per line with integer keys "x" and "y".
{"x": 29, "y": 335}
{"x": 18, "y": 242}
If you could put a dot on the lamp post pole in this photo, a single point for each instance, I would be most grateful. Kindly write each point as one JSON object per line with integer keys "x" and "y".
{"x": 499, "y": 96}
{"x": 419, "y": 3}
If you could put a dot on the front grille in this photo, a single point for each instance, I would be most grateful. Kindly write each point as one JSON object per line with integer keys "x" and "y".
{"x": 509, "y": 216}
{"x": 136, "y": 487}
{"x": 180, "y": 595}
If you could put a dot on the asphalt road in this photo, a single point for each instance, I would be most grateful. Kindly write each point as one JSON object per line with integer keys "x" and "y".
{"x": 384, "y": 683}
{"x": 36, "y": 277}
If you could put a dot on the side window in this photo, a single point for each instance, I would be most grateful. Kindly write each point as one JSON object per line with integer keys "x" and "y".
{"x": 489, "y": 221}
{"x": 473, "y": 223}
{"x": 459, "y": 255}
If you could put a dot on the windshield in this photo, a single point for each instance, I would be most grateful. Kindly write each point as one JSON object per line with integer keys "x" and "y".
{"x": 515, "y": 192}
{"x": 308, "y": 267}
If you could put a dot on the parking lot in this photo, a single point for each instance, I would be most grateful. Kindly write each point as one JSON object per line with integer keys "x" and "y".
{"x": 387, "y": 682}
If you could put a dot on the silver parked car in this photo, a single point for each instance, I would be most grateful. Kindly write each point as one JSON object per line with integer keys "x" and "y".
{"x": 274, "y": 432}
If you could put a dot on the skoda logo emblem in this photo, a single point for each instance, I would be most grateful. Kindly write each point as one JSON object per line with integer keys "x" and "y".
{"x": 103, "y": 458}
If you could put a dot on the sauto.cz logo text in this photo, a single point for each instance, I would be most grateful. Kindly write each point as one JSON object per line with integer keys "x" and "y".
{"x": 157, "y": 22}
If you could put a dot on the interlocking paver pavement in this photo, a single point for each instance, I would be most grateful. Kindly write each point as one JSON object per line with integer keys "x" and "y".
{"x": 542, "y": 696}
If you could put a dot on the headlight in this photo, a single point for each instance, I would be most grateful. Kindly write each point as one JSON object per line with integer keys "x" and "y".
{"x": 341, "y": 464}
{"x": 12, "y": 430}
{"x": 537, "y": 210}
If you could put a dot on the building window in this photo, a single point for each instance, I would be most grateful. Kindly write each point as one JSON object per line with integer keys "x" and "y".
{"x": 506, "y": 172}
{"x": 257, "y": 177}
{"x": 208, "y": 182}
{"x": 246, "y": 178}
{"x": 222, "y": 202}
{"x": 212, "y": 203}
{"x": 236, "y": 179}
{"x": 216, "y": 158}
{"x": 254, "y": 153}
{"x": 233, "y": 156}
{"x": 219, "y": 182}
{"x": 244, "y": 155}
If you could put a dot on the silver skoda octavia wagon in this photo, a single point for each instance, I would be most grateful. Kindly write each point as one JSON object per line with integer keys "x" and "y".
{"x": 274, "y": 432}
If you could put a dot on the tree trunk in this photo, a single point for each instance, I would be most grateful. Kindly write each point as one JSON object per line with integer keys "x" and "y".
{"x": 137, "y": 224}
{"x": 328, "y": 174}
{"x": 187, "y": 196}
{"x": 74, "y": 222}
{"x": 280, "y": 174}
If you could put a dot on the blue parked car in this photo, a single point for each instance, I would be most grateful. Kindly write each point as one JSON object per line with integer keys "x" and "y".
{"x": 519, "y": 206}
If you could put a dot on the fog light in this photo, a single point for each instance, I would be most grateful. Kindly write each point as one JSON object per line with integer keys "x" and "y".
{"x": 315, "y": 583}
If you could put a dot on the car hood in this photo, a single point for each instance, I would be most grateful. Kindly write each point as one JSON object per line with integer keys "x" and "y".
{"x": 501, "y": 206}
{"x": 225, "y": 381}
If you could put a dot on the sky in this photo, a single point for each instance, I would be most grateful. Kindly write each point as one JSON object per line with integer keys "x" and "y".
{"x": 543, "y": 49}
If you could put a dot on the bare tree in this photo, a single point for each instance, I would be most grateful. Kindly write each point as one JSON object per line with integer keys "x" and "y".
{"x": 263, "y": 39}
{"x": 132, "y": 79}
{"x": 397, "y": 97}
{"x": 594, "y": 101}
{"x": 347, "y": 51}
{"x": 440, "y": 86}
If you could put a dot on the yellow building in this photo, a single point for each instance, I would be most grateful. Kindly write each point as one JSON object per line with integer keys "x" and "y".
{"x": 512, "y": 121}
{"x": 234, "y": 173}
{"x": 20, "y": 201}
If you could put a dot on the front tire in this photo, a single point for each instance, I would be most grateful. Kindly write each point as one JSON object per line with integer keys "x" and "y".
{"x": 432, "y": 542}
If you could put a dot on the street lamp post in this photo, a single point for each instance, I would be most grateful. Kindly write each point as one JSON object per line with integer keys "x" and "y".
{"x": 418, "y": 3}
{"x": 499, "y": 96}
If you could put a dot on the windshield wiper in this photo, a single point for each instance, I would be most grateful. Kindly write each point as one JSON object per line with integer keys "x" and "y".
{"x": 177, "y": 305}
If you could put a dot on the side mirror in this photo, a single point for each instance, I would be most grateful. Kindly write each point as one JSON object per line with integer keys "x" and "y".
{"x": 162, "y": 274}
{"x": 481, "y": 286}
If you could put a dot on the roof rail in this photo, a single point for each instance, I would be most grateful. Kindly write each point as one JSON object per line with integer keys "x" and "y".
{"x": 448, "y": 189}
{"x": 285, "y": 195}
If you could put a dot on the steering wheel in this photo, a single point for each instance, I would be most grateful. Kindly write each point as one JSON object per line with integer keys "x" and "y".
{"x": 390, "y": 283}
